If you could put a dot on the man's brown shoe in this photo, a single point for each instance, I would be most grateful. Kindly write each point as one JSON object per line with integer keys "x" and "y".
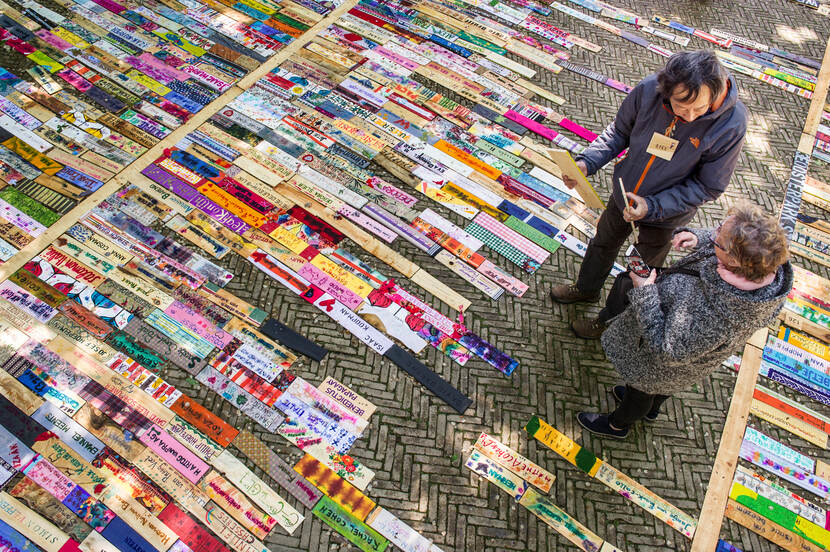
{"x": 569, "y": 293}
{"x": 588, "y": 328}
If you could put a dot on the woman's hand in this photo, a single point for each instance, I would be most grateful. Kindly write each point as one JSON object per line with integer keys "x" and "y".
{"x": 684, "y": 240}
{"x": 640, "y": 282}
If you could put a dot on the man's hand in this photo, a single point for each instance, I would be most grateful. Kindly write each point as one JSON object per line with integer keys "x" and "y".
{"x": 570, "y": 182}
{"x": 636, "y": 209}
{"x": 684, "y": 240}
{"x": 640, "y": 282}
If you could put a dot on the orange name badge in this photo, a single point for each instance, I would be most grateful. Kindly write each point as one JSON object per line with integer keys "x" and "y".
{"x": 662, "y": 146}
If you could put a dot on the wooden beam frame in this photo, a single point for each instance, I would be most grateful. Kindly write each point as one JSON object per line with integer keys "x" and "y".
{"x": 792, "y": 195}
{"x": 717, "y": 492}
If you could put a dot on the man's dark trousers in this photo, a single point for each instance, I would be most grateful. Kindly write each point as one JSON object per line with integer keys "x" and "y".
{"x": 612, "y": 230}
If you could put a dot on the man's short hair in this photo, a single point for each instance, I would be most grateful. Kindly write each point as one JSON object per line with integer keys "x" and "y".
{"x": 693, "y": 70}
{"x": 755, "y": 240}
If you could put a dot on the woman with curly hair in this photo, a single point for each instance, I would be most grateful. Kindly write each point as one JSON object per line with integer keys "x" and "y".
{"x": 680, "y": 325}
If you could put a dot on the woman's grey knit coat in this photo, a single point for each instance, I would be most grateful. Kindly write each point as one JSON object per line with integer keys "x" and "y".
{"x": 676, "y": 332}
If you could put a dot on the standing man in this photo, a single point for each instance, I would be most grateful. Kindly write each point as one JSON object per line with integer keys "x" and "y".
{"x": 684, "y": 128}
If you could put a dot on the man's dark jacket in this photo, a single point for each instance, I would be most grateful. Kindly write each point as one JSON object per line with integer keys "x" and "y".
{"x": 701, "y": 166}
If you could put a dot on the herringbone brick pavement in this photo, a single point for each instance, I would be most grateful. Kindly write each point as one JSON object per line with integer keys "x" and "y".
{"x": 417, "y": 445}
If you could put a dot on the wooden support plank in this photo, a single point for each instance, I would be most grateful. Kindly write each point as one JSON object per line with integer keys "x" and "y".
{"x": 759, "y": 338}
{"x": 723, "y": 471}
{"x": 439, "y": 289}
{"x": 792, "y": 198}
{"x": 808, "y": 134}
{"x": 129, "y": 173}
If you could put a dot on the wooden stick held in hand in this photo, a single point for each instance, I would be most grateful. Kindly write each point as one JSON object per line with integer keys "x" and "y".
{"x": 634, "y": 231}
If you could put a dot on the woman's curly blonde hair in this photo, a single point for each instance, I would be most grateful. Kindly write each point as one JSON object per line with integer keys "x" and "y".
{"x": 755, "y": 240}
